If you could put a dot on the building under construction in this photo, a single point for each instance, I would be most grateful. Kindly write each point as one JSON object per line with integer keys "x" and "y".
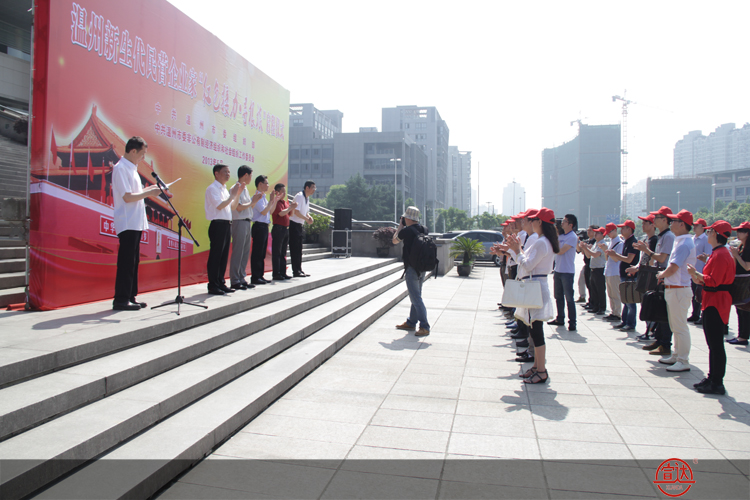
{"x": 582, "y": 176}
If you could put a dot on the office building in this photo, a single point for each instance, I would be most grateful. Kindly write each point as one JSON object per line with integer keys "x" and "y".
{"x": 514, "y": 198}
{"x": 429, "y": 131}
{"x": 460, "y": 179}
{"x": 677, "y": 193}
{"x": 582, "y": 176}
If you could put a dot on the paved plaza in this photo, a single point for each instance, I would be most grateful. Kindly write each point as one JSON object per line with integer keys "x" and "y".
{"x": 395, "y": 416}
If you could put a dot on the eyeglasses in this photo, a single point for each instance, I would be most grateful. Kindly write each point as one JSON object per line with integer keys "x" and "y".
{"x": 532, "y": 220}
{"x": 660, "y": 216}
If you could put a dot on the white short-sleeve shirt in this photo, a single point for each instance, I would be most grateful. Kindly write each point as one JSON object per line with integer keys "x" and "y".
{"x": 303, "y": 206}
{"x": 128, "y": 216}
{"x": 216, "y": 193}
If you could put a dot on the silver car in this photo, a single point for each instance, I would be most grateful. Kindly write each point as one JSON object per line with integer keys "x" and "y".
{"x": 488, "y": 238}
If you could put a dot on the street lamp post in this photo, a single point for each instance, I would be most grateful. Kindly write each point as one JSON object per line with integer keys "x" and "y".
{"x": 713, "y": 202}
{"x": 678, "y": 201}
{"x": 653, "y": 203}
{"x": 395, "y": 185}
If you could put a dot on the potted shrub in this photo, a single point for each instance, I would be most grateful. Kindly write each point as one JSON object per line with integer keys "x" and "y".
{"x": 467, "y": 249}
{"x": 320, "y": 224}
{"x": 384, "y": 237}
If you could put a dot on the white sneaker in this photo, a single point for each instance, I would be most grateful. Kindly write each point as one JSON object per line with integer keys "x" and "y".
{"x": 678, "y": 367}
{"x": 669, "y": 361}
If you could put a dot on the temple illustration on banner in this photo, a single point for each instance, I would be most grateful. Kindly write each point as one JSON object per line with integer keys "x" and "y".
{"x": 78, "y": 176}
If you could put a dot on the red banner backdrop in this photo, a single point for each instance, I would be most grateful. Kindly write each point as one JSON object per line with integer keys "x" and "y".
{"x": 103, "y": 72}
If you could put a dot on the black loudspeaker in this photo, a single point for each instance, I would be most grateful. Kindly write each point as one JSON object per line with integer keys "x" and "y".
{"x": 342, "y": 219}
{"x": 339, "y": 240}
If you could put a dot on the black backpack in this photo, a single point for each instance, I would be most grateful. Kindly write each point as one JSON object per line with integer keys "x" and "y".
{"x": 423, "y": 254}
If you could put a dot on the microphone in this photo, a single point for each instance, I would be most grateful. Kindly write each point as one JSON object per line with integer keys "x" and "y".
{"x": 161, "y": 183}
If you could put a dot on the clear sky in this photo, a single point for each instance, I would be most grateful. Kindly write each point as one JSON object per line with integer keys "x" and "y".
{"x": 507, "y": 77}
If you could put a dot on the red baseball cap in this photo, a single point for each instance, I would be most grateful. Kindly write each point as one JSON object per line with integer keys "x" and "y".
{"x": 684, "y": 216}
{"x": 648, "y": 218}
{"x": 722, "y": 227}
{"x": 530, "y": 213}
{"x": 744, "y": 225}
{"x": 628, "y": 223}
{"x": 702, "y": 222}
{"x": 662, "y": 211}
{"x": 546, "y": 215}
{"x": 611, "y": 226}
{"x": 600, "y": 230}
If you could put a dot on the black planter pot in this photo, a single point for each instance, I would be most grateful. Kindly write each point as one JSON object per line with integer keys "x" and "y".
{"x": 464, "y": 269}
{"x": 383, "y": 251}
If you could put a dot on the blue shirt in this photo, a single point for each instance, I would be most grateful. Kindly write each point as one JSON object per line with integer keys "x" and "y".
{"x": 258, "y": 208}
{"x": 565, "y": 263}
{"x": 701, "y": 247}
{"x": 683, "y": 253}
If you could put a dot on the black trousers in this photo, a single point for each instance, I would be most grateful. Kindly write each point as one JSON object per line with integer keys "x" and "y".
{"x": 598, "y": 297}
{"x": 128, "y": 258}
{"x": 587, "y": 278}
{"x": 743, "y": 323}
{"x": 713, "y": 329}
{"x": 220, "y": 236}
{"x": 296, "y": 237}
{"x": 259, "y": 235}
{"x": 279, "y": 244}
{"x": 697, "y": 295}
{"x": 537, "y": 333}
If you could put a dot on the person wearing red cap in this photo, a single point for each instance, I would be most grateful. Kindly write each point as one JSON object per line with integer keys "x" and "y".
{"x": 535, "y": 262}
{"x": 741, "y": 255}
{"x": 662, "y": 346}
{"x": 565, "y": 271}
{"x": 702, "y": 251}
{"x": 678, "y": 293}
{"x": 718, "y": 273}
{"x": 648, "y": 227}
{"x": 612, "y": 273}
{"x": 627, "y": 256}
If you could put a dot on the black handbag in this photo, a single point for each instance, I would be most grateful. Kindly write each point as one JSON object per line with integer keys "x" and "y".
{"x": 629, "y": 294}
{"x": 654, "y": 307}
{"x": 647, "y": 278}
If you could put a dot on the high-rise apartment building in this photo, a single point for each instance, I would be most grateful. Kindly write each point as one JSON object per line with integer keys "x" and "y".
{"x": 430, "y": 132}
{"x": 514, "y": 198}
{"x": 582, "y": 176}
{"x": 460, "y": 179}
{"x": 726, "y": 148}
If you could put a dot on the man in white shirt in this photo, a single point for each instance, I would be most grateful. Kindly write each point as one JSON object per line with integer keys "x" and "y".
{"x": 218, "y": 206}
{"x": 612, "y": 274}
{"x": 130, "y": 222}
{"x": 242, "y": 219}
{"x": 300, "y": 216}
{"x": 564, "y": 273}
{"x": 678, "y": 293}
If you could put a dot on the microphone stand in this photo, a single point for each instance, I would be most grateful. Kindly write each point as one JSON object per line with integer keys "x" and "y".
{"x": 179, "y": 300}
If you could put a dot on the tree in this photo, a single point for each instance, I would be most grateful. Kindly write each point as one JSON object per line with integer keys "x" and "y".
{"x": 367, "y": 202}
{"x": 454, "y": 219}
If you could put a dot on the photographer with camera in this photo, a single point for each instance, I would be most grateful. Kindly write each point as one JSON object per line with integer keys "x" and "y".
{"x": 408, "y": 231}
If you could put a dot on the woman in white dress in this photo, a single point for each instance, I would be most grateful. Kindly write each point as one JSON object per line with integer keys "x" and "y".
{"x": 535, "y": 263}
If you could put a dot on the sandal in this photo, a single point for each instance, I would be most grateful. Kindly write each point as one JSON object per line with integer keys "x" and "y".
{"x": 531, "y": 371}
{"x": 536, "y": 378}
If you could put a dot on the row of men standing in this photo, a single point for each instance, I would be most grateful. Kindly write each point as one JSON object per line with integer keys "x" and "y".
{"x": 238, "y": 218}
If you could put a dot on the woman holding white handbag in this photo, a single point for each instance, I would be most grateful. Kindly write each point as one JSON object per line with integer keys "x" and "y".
{"x": 535, "y": 263}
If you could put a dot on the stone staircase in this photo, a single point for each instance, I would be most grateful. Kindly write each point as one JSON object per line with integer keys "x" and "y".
{"x": 13, "y": 161}
{"x": 102, "y": 404}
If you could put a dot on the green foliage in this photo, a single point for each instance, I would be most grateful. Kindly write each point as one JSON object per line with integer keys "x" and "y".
{"x": 367, "y": 202}
{"x": 466, "y": 248}
{"x": 489, "y": 221}
{"x": 320, "y": 224}
{"x": 454, "y": 218}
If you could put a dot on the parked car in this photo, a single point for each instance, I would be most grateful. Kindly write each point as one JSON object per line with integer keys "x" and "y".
{"x": 488, "y": 238}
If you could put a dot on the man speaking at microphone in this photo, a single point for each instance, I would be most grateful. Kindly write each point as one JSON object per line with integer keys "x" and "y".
{"x": 130, "y": 222}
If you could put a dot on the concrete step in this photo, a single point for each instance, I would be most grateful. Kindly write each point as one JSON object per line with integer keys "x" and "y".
{"x": 61, "y": 347}
{"x": 311, "y": 251}
{"x": 12, "y": 280}
{"x": 10, "y": 242}
{"x": 15, "y": 252}
{"x": 183, "y": 413}
{"x": 10, "y": 296}
{"x": 30, "y": 403}
{"x": 12, "y": 265}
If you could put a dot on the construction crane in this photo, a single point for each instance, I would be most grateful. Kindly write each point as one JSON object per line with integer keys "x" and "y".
{"x": 624, "y": 149}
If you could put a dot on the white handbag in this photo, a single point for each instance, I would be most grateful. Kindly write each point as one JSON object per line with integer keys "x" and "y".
{"x": 525, "y": 294}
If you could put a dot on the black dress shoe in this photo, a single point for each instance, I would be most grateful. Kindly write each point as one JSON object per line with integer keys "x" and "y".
{"x": 258, "y": 282}
{"x": 239, "y": 286}
{"x": 711, "y": 389}
{"x": 522, "y": 343}
{"x": 693, "y": 318}
{"x": 247, "y": 285}
{"x": 519, "y": 336}
{"x": 703, "y": 382}
{"x": 556, "y": 322}
{"x": 524, "y": 357}
{"x": 125, "y": 306}
{"x": 142, "y": 305}
{"x": 300, "y": 275}
{"x": 215, "y": 291}
{"x": 572, "y": 328}
{"x": 226, "y": 289}
{"x": 277, "y": 278}
{"x": 514, "y": 331}
{"x": 699, "y": 321}
{"x": 287, "y": 277}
